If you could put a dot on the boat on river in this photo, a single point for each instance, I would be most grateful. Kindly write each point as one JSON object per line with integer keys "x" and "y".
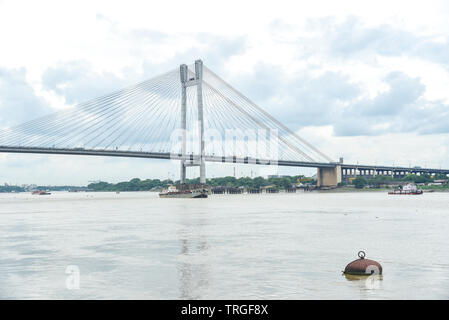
{"x": 408, "y": 189}
{"x": 40, "y": 192}
{"x": 186, "y": 191}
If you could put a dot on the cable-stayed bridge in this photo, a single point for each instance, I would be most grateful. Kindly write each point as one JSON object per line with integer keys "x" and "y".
{"x": 189, "y": 114}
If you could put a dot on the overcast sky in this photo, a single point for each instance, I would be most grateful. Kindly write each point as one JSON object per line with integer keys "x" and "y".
{"x": 364, "y": 81}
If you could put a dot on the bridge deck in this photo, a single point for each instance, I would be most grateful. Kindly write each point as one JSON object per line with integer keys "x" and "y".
{"x": 157, "y": 155}
{"x": 219, "y": 159}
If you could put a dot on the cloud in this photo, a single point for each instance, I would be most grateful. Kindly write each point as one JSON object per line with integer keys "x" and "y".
{"x": 331, "y": 98}
{"x": 302, "y": 99}
{"x": 18, "y": 101}
{"x": 403, "y": 91}
{"x": 298, "y": 100}
{"x": 317, "y": 100}
{"x": 316, "y": 96}
{"x": 162, "y": 51}
{"x": 401, "y": 109}
{"x": 77, "y": 81}
{"x": 214, "y": 51}
{"x": 352, "y": 39}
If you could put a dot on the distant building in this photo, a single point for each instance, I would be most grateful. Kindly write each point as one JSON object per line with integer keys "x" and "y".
{"x": 304, "y": 180}
{"x": 271, "y": 186}
{"x": 29, "y": 187}
{"x": 437, "y": 183}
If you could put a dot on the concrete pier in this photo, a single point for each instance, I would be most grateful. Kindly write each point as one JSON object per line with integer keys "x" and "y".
{"x": 329, "y": 177}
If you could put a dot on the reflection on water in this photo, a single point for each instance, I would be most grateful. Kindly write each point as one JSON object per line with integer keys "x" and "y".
{"x": 193, "y": 275}
{"x": 372, "y": 282}
{"x": 275, "y": 246}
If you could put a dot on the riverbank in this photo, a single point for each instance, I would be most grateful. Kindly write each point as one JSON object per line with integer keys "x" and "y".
{"x": 352, "y": 189}
{"x": 276, "y": 184}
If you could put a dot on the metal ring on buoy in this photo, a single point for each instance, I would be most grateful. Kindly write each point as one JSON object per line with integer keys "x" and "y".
{"x": 361, "y": 254}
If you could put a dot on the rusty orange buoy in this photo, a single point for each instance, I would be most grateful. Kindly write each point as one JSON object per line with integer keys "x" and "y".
{"x": 362, "y": 266}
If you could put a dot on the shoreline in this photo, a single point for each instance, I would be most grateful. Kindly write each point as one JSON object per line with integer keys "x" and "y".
{"x": 336, "y": 190}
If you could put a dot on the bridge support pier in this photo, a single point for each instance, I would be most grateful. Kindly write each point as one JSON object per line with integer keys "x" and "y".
{"x": 184, "y": 73}
{"x": 328, "y": 177}
{"x": 199, "y": 85}
{"x": 186, "y": 82}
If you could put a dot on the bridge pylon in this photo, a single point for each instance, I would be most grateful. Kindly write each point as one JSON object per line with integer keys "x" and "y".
{"x": 186, "y": 82}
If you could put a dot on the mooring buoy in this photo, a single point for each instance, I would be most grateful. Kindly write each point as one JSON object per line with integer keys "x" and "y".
{"x": 363, "y": 267}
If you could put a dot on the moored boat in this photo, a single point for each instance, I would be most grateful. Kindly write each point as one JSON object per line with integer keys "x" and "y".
{"x": 409, "y": 189}
{"x": 184, "y": 191}
{"x": 40, "y": 192}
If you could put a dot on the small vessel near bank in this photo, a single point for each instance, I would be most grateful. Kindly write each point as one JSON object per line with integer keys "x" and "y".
{"x": 186, "y": 191}
{"x": 40, "y": 192}
{"x": 408, "y": 189}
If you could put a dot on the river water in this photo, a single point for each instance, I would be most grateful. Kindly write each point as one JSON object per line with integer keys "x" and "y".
{"x": 258, "y": 246}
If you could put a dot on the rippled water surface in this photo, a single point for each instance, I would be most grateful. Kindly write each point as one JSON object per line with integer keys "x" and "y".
{"x": 270, "y": 246}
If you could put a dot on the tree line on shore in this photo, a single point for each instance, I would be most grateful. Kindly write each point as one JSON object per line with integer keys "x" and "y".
{"x": 379, "y": 180}
{"x": 283, "y": 182}
{"x": 137, "y": 184}
{"x": 10, "y": 188}
{"x": 7, "y": 188}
